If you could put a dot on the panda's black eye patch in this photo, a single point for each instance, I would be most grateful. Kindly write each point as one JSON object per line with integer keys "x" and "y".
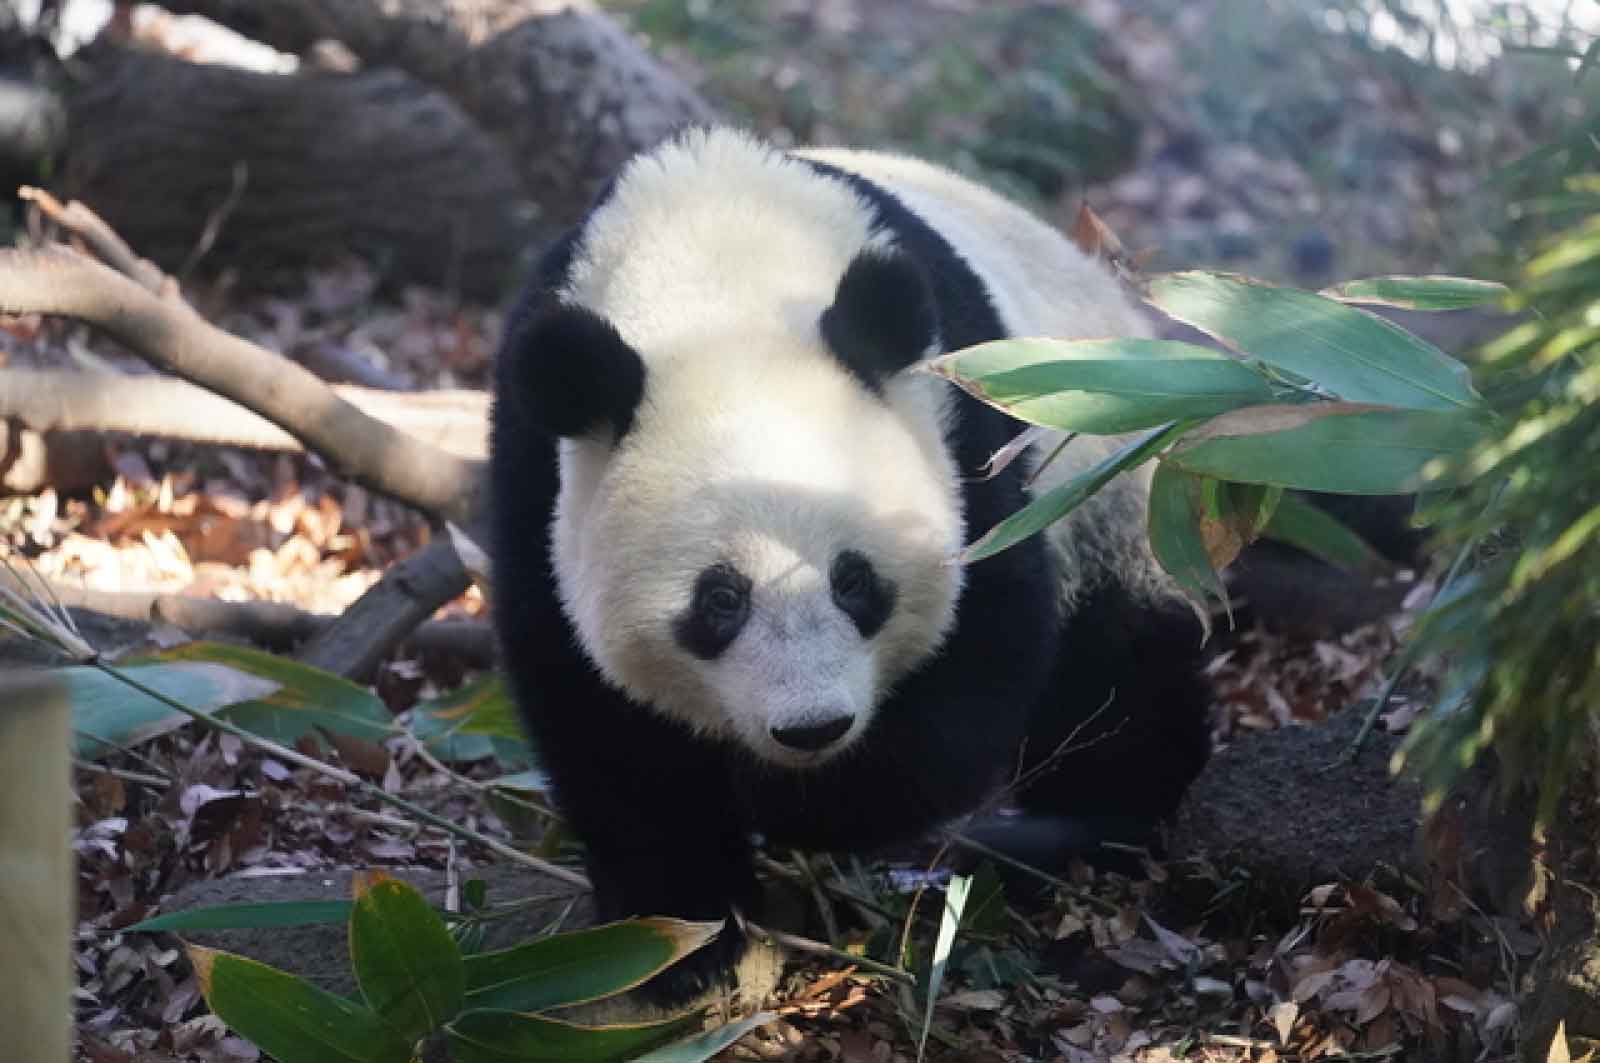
{"x": 717, "y": 611}
{"x": 860, "y": 593}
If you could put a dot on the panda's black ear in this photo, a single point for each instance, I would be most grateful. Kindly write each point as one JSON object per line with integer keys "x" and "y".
{"x": 570, "y": 372}
{"x": 883, "y": 316}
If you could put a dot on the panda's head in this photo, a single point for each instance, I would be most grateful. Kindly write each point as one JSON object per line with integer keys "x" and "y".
{"x": 756, "y": 523}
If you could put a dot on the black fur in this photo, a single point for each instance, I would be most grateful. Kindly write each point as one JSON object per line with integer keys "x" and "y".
{"x": 717, "y": 613}
{"x": 860, "y": 593}
{"x": 883, "y": 317}
{"x": 572, "y": 372}
{"x": 667, "y": 817}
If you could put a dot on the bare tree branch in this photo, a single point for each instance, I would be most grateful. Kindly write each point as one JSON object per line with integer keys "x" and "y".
{"x": 101, "y": 238}
{"x": 168, "y": 333}
{"x": 380, "y": 619}
{"x": 68, "y": 400}
{"x": 568, "y": 94}
{"x": 271, "y": 625}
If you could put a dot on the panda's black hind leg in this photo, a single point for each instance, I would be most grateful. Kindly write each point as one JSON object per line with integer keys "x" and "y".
{"x": 1119, "y": 734}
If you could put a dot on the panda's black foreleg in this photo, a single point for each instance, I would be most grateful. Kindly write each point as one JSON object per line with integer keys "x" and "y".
{"x": 1120, "y": 733}
{"x": 663, "y": 834}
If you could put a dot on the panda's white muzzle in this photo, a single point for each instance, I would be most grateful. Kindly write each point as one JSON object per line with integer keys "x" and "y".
{"x": 797, "y": 684}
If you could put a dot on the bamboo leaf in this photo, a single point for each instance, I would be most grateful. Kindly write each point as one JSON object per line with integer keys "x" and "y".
{"x": 582, "y": 965}
{"x": 107, "y": 713}
{"x": 460, "y": 725}
{"x": 955, "y": 899}
{"x": 517, "y": 1037}
{"x": 1317, "y": 532}
{"x": 1353, "y": 354}
{"x": 703, "y": 1046}
{"x": 291, "y": 1018}
{"x": 306, "y": 698}
{"x": 1062, "y": 499}
{"x": 1345, "y": 448}
{"x": 1103, "y": 387}
{"x": 1176, "y": 539}
{"x": 250, "y": 916}
{"x": 1419, "y": 293}
{"x": 405, "y": 961}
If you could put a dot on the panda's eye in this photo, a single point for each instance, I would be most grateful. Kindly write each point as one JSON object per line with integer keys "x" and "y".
{"x": 717, "y": 611}
{"x": 860, "y": 593}
{"x": 852, "y": 579}
{"x": 720, "y": 600}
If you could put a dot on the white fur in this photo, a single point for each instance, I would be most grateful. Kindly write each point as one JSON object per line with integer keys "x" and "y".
{"x": 714, "y": 258}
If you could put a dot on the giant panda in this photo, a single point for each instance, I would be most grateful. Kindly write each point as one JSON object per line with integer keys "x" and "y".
{"x": 725, "y": 510}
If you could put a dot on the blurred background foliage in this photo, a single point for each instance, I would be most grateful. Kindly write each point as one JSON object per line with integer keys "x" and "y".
{"x": 1297, "y": 141}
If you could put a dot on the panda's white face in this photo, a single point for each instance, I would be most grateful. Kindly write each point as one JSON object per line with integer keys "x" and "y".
{"x": 769, "y": 548}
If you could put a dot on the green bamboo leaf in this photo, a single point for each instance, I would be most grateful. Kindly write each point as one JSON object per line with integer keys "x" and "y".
{"x": 1317, "y": 532}
{"x": 107, "y": 712}
{"x": 581, "y": 965}
{"x": 1176, "y": 539}
{"x": 1351, "y": 353}
{"x": 289, "y": 1017}
{"x": 1345, "y": 448}
{"x": 517, "y": 1037}
{"x": 1062, "y": 499}
{"x": 461, "y": 725}
{"x": 405, "y": 960}
{"x": 955, "y": 899}
{"x": 253, "y": 916}
{"x": 703, "y": 1046}
{"x": 1418, "y": 293}
{"x": 1232, "y": 516}
{"x": 307, "y": 698}
{"x": 1103, "y": 387}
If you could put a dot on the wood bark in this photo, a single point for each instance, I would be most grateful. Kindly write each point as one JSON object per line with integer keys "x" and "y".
{"x": 68, "y": 400}
{"x": 196, "y": 163}
{"x": 37, "y": 880}
{"x": 559, "y": 85}
{"x": 167, "y": 332}
{"x": 273, "y": 626}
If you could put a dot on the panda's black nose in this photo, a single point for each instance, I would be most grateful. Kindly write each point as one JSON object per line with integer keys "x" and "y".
{"x": 810, "y": 737}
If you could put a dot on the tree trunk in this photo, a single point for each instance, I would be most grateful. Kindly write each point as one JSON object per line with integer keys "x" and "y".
{"x": 282, "y": 170}
{"x": 564, "y": 90}
{"x": 37, "y": 880}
